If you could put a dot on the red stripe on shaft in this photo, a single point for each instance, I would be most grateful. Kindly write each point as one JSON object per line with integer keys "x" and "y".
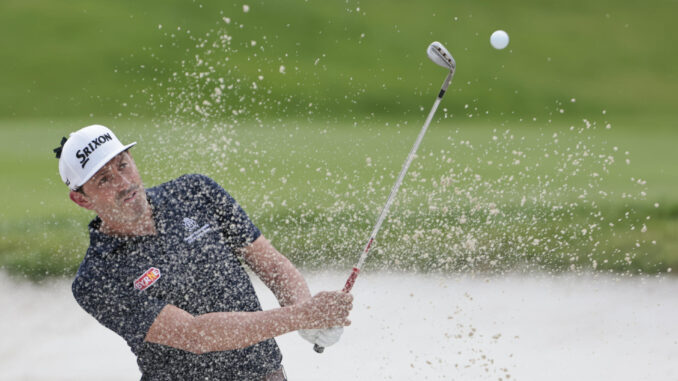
{"x": 368, "y": 245}
{"x": 351, "y": 279}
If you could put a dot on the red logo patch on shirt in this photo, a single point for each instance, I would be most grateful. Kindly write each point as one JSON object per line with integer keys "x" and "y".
{"x": 145, "y": 281}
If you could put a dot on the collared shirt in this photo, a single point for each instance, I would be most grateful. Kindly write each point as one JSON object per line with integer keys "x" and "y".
{"x": 124, "y": 282}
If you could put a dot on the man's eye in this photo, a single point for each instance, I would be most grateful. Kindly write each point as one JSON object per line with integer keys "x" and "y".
{"x": 103, "y": 180}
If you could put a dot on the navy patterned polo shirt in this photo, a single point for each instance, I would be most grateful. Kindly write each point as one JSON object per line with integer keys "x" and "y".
{"x": 190, "y": 263}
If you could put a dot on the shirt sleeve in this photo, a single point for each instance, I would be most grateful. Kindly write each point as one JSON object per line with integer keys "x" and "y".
{"x": 117, "y": 306}
{"x": 239, "y": 231}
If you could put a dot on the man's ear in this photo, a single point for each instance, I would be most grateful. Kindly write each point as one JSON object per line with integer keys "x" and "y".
{"x": 80, "y": 199}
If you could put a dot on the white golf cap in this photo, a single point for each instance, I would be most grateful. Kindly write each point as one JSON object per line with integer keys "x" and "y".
{"x": 85, "y": 152}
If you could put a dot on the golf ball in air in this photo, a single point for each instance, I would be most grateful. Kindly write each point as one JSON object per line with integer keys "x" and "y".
{"x": 499, "y": 39}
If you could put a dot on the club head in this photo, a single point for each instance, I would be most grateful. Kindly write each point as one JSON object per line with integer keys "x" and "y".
{"x": 438, "y": 54}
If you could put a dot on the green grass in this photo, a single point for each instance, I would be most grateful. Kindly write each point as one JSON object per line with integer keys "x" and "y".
{"x": 316, "y": 191}
{"x": 318, "y": 105}
{"x": 77, "y": 58}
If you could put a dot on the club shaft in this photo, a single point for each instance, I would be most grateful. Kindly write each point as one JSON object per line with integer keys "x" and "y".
{"x": 354, "y": 274}
{"x": 356, "y": 270}
{"x": 396, "y": 186}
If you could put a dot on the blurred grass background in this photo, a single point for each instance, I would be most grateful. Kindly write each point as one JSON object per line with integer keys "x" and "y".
{"x": 318, "y": 106}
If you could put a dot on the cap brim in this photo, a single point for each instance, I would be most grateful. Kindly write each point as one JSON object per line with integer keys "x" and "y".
{"x": 101, "y": 163}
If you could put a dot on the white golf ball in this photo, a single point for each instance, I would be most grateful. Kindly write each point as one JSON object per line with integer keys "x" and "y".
{"x": 499, "y": 39}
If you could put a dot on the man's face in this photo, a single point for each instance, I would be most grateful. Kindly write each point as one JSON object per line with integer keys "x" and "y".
{"x": 115, "y": 192}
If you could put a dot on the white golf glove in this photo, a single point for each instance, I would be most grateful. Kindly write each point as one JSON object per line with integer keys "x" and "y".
{"x": 322, "y": 337}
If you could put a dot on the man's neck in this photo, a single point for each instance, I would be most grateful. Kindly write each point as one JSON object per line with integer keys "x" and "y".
{"x": 145, "y": 225}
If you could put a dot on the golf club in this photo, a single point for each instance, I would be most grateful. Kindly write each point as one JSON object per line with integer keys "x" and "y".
{"x": 438, "y": 54}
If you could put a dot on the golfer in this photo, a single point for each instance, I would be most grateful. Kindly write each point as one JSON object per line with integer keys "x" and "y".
{"x": 164, "y": 271}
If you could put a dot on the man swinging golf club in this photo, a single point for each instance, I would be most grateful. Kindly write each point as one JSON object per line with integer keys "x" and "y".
{"x": 163, "y": 270}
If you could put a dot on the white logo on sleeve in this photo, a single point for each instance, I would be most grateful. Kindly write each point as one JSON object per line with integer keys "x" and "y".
{"x": 191, "y": 226}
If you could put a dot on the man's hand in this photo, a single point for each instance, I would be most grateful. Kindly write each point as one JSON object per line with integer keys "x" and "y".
{"x": 325, "y": 309}
{"x": 327, "y": 313}
{"x": 322, "y": 337}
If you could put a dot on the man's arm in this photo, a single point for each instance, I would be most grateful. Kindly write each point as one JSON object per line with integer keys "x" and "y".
{"x": 276, "y": 271}
{"x": 221, "y": 331}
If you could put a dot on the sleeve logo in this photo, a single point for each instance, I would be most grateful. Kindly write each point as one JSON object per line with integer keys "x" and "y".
{"x": 147, "y": 279}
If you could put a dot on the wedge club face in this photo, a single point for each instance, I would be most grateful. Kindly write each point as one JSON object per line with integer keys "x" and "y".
{"x": 438, "y": 54}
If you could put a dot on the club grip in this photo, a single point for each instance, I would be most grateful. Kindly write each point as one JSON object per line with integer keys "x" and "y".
{"x": 347, "y": 288}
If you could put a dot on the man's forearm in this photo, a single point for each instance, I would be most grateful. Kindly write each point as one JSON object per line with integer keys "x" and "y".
{"x": 289, "y": 286}
{"x": 277, "y": 272}
{"x": 230, "y": 330}
{"x": 220, "y": 331}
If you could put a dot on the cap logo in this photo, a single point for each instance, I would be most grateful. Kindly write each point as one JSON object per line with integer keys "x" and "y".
{"x": 84, "y": 153}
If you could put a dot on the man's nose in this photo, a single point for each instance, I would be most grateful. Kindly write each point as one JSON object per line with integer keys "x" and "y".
{"x": 122, "y": 181}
